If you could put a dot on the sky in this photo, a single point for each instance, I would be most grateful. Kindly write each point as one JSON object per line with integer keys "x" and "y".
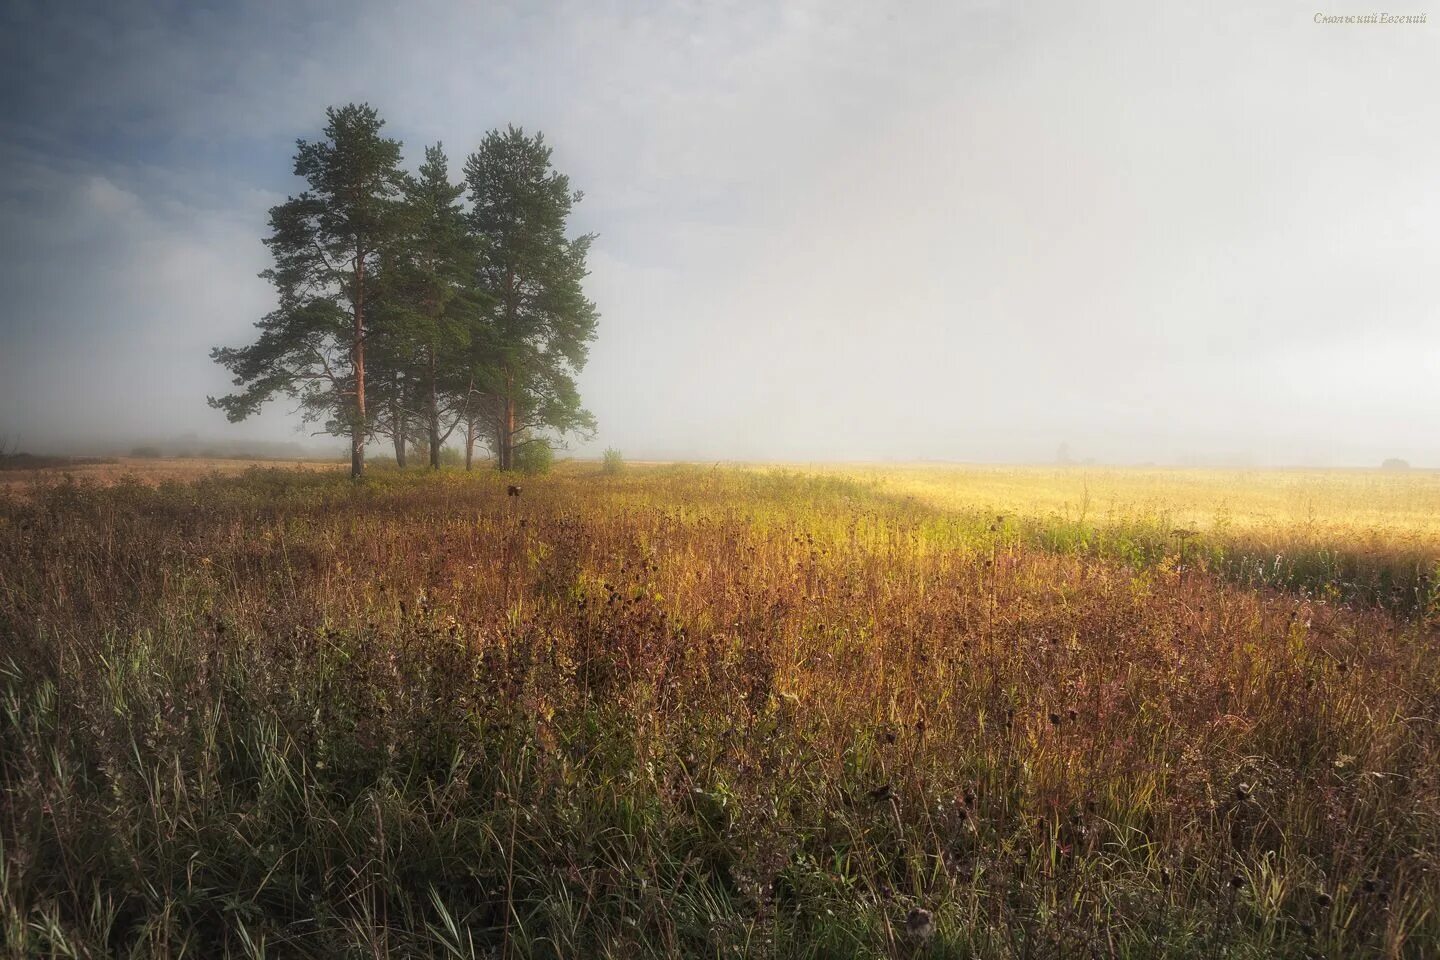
{"x": 841, "y": 230}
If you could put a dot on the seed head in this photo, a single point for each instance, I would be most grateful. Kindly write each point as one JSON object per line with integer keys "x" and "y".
{"x": 920, "y": 925}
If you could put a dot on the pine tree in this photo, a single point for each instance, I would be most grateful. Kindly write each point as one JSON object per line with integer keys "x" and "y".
{"x": 327, "y": 245}
{"x": 441, "y": 299}
{"x": 538, "y": 323}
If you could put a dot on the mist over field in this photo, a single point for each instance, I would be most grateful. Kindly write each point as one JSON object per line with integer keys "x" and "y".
{"x": 808, "y": 480}
{"x": 845, "y": 230}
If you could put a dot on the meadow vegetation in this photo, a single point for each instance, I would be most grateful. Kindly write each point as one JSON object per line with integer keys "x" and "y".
{"x": 689, "y": 711}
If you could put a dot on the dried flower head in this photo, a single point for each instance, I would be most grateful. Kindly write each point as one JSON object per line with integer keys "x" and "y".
{"x": 920, "y": 925}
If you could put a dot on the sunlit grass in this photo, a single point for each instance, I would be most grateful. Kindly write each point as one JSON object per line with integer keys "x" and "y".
{"x": 1404, "y": 505}
{"x": 685, "y": 711}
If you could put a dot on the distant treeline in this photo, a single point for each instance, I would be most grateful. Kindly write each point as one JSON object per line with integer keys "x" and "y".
{"x": 404, "y": 314}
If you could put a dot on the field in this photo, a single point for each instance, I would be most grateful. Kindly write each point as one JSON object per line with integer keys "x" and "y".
{"x": 722, "y": 712}
{"x": 149, "y": 470}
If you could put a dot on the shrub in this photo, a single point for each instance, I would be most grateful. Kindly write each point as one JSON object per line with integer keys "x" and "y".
{"x": 612, "y": 461}
{"x": 452, "y": 457}
{"x": 534, "y": 457}
{"x": 146, "y": 453}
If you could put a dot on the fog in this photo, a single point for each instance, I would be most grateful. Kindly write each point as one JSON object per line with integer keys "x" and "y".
{"x": 836, "y": 230}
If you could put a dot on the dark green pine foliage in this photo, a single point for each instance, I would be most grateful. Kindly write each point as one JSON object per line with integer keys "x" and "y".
{"x": 445, "y": 299}
{"x": 327, "y": 245}
{"x": 430, "y": 301}
{"x": 538, "y": 324}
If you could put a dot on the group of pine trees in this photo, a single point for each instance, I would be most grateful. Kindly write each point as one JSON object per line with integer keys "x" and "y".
{"x": 407, "y": 315}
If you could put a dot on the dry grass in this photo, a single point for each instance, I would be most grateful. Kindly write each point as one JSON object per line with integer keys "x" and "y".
{"x": 687, "y": 712}
{"x": 1401, "y": 507}
{"x": 150, "y": 471}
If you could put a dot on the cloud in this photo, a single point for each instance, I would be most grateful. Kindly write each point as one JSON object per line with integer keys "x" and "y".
{"x": 827, "y": 229}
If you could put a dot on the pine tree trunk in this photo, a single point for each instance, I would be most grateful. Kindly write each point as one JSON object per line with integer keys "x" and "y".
{"x": 469, "y": 441}
{"x": 509, "y": 434}
{"x": 397, "y": 432}
{"x": 434, "y": 416}
{"x": 505, "y": 430}
{"x": 357, "y": 359}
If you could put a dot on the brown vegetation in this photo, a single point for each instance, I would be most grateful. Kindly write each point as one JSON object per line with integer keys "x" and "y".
{"x": 684, "y": 712}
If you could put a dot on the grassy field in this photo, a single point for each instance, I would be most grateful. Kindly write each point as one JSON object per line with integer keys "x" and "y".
{"x": 1353, "y": 503}
{"x": 1366, "y": 535}
{"x": 722, "y": 712}
{"x": 148, "y": 470}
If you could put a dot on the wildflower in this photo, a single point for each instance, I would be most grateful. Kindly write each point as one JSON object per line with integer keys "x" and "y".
{"x": 920, "y": 925}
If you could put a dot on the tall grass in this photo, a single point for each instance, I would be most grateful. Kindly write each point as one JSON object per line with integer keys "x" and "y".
{"x": 685, "y": 712}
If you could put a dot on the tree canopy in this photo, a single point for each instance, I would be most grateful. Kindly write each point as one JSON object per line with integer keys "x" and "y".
{"x": 540, "y": 322}
{"x": 402, "y": 314}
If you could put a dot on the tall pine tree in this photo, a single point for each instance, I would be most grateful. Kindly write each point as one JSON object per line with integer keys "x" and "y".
{"x": 438, "y": 299}
{"x": 327, "y": 245}
{"x": 539, "y": 325}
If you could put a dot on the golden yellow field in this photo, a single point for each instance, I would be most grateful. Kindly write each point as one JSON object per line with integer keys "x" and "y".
{"x": 1354, "y": 505}
{"x": 1363, "y": 504}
